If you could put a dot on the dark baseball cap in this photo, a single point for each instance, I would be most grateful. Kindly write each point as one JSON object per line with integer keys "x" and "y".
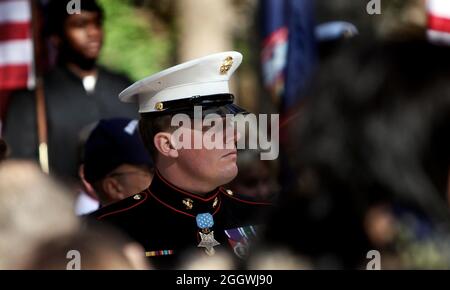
{"x": 112, "y": 143}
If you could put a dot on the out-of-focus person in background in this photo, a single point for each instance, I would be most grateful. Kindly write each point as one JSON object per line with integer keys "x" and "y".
{"x": 32, "y": 208}
{"x": 77, "y": 91}
{"x": 256, "y": 179}
{"x": 87, "y": 200}
{"x": 97, "y": 248}
{"x": 372, "y": 159}
{"x": 116, "y": 163}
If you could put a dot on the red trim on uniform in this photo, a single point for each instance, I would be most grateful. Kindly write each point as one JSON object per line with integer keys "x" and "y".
{"x": 185, "y": 192}
{"x": 179, "y": 211}
{"x": 125, "y": 209}
{"x": 165, "y": 204}
{"x": 245, "y": 201}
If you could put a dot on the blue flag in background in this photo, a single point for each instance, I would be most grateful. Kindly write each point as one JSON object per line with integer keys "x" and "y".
{"x": 302, "y": 50}
{"x": 274, "y": 47}
{"x": 289, "y": 50}
{"x": 288, "y": 59}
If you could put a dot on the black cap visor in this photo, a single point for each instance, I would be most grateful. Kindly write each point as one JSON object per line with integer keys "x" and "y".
{"x": 221, "y": 104}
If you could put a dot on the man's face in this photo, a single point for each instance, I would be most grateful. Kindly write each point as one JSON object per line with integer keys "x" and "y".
{"x": 83, "y": 34}
{"x": 216, "y": 166}
{"x": 132, "y": 178}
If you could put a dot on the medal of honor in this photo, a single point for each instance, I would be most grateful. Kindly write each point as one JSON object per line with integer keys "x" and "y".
{"x": 205, "y": 222}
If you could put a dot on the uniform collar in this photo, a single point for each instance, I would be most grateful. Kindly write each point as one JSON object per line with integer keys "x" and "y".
{"x": 181, "y": 201}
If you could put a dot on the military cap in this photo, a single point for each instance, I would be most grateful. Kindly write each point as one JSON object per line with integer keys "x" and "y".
{"x": 200, "y": 82}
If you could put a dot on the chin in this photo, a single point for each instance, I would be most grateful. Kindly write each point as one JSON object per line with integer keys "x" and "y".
{"x": 229, "y": 174}
{"x": 92, "y": 57}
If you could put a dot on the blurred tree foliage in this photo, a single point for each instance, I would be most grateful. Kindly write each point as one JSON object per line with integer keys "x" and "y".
{"x": 138, "y": 42}
{"x": 141, "y": 35}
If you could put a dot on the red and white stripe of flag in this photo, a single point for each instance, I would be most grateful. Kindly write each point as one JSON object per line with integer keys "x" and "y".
{"x": 439, "y": 21}
{"x": 16, "y": 45}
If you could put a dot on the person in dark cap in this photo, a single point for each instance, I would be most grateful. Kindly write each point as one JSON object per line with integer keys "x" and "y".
{"x": 186, "y": 209}
{"x": 116, "y": 162}
{"x": 77, "y": 91}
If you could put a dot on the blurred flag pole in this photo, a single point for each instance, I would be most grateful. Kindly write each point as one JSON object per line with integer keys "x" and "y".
{"x": 41, "y": 114}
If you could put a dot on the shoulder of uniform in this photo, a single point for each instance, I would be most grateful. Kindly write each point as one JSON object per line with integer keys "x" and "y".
{"x": 241, "y": 198}
{"x": 121, "y": 206}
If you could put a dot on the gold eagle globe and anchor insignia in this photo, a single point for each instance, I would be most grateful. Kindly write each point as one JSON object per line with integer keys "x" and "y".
{"x": 226, "y": 65}
{"x": 188, "y": 203}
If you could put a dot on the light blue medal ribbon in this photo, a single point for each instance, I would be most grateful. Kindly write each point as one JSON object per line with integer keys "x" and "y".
{"x": 205, "y": 222}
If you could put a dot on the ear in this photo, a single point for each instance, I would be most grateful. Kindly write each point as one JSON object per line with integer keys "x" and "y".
{"x": 163, "y": 143}
{"x": 89, "y": 190}
{"x": 113, "y": 189}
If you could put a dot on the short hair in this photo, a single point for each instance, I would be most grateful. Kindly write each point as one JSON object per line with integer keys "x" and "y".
{"x": 149, "y": 126}
{"x": 57, "y": 14}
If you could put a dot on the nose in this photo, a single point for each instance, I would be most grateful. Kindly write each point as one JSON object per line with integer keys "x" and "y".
{"x": 94, "y": 31}
{"x": 231, "y": 134}
{"x": 237, "y": 136}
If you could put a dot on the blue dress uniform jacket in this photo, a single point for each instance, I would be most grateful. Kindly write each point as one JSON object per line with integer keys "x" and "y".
{"x": 163, "y": 220}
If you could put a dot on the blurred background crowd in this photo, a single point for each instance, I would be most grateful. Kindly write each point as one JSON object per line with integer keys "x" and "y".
{"x": 364, "y": 104}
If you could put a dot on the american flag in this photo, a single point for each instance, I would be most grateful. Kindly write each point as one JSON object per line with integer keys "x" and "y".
{"x": 16, "y": 45}
{"x": 439, "y": 21}
{"x": 16, "y": 49}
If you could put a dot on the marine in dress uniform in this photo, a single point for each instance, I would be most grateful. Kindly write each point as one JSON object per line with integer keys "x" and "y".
{"x": 169, "y": 220}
